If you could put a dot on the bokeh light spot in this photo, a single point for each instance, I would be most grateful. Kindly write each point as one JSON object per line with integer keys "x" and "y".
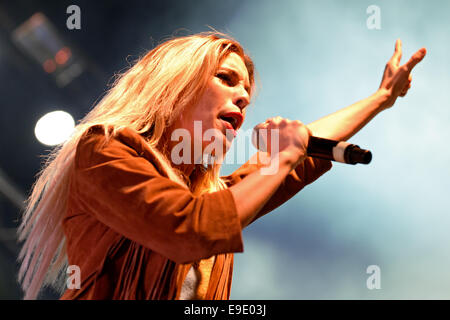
{"x": 54, "y": 128}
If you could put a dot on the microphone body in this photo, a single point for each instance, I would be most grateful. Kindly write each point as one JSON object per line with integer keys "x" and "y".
{"x": 339, "y": 151}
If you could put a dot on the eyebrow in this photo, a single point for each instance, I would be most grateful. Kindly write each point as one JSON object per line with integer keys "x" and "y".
{"x": 236, "y": 74}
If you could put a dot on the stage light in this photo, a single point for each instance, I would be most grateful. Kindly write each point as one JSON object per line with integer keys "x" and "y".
{"x": 49, "y": 66}
{"x": 39, "y": 38}
{"x": 63, "y": 55}
{"x": 54, "y": 128}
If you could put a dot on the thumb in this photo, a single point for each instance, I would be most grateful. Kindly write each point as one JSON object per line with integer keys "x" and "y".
{"x": 415, "y": 59}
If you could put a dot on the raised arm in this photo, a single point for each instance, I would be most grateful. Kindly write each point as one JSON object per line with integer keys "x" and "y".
{"x": 257, "y": 193}
{"x": 396, "y": 81}
{"x": 340, "y": 125}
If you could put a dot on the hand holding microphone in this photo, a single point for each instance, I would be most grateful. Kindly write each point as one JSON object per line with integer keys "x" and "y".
{"x": 280, "y": 135}
{"x": 296, "y": 139}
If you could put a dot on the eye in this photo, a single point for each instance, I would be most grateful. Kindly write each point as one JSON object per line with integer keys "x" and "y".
{"x": 225, "y": 77}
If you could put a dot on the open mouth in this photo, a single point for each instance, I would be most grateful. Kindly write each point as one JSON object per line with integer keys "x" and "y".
{"x": 233, "y": 119}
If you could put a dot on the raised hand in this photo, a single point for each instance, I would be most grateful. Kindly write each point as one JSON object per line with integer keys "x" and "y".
{"x": 397, "y": 79}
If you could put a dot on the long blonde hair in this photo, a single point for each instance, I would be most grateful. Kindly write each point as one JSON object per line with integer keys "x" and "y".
{"x": 148, "y": 98}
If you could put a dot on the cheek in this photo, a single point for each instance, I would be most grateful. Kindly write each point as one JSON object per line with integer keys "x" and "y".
{"x": 207, "y": 109}
{"x": 214, "y": 95}
{"x": 196, "y": 120}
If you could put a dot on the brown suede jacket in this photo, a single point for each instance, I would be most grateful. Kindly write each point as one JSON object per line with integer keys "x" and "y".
{"x": 134, "y": 233}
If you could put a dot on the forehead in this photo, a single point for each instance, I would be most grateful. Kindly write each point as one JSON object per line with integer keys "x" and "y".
{"x": 234, "y": 62}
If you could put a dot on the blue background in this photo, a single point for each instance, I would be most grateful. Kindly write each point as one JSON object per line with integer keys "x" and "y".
{"x": 313, "y": 58}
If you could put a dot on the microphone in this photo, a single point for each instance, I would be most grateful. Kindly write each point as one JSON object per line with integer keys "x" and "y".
{"x": 339, "y": 151}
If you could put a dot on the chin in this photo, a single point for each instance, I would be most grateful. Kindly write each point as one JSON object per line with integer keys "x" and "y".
{"x": 222, "y": 150}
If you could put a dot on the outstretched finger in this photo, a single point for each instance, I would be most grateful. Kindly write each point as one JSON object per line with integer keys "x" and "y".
{"x": 415, "y": 59}
{"x": 397, "y": 56}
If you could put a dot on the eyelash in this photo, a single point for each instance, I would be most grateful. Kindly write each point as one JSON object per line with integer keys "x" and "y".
{"x": 225, "y": 77}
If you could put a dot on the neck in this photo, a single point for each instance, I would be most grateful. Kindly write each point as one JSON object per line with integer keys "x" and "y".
{"x": 166, "y": 148}
{"x": 187, "y": 169}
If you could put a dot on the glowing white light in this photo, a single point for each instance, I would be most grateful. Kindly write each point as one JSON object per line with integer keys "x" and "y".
{"x": 54, "y": 128}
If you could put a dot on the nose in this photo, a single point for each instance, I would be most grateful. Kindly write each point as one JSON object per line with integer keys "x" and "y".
{"x": 242, "y": 98}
